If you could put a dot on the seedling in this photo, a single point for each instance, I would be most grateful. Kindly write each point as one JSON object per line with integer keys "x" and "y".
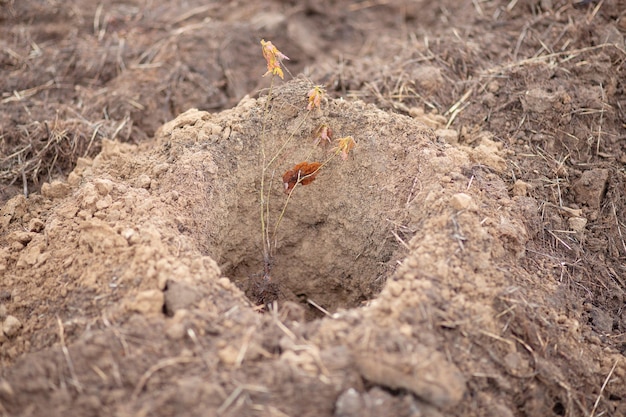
{"x": 302, "y": 173}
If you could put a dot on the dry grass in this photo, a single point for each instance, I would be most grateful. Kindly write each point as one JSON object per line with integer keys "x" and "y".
{"x": 40, "y": 151}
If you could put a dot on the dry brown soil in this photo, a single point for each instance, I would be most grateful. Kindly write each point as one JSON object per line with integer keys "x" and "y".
{"x": 468, "y": 258}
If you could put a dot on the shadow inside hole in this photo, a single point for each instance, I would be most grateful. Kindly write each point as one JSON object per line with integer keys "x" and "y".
{"x": 326, "y": 296}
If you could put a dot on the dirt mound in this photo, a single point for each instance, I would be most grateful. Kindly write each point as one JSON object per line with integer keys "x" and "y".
{"x": 465, "y": 259}
{"x": 465, "y": 321}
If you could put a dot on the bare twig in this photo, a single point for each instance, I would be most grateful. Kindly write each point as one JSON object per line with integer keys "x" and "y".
{"x": 600, "y": 124}
{"x": 244, "y": 346}
{"x": 567, "y": 54}
{"x": 68, "y": 359}
{"x": 619, "y": 229}
{"x": 279, "y": 324}
{"x": 606, "y": 381}
{"x": 157, "y": 367}
{"x": 235, "y": 394}
{"x": 21, "y": 95}
{"x": 319, "y": 307}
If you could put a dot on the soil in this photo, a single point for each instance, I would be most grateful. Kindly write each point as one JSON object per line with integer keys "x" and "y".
{"x": 466, "y": 258}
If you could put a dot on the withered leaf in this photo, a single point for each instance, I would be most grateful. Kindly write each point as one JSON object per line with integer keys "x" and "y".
{"x": 303, "y": 173}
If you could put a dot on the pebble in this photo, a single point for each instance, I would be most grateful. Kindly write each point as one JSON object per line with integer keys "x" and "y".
{"x": 450, "y": 136}
{"x": 395, "y": 288}
{"x": 460, "y": 201}
{"x": 143, "y": 181}
{"x": 577, "y": 224}
{"x": 56, "y": 189}
{"x": 228, "y": 355}
{"x": 349, "y": 404}
{"x": 103, "y": 186}
{"x": 22, "y": 237}
{"x": 11, "y": 326}
{"x": 520, "y": 188}
{"x": 35, "y": 225}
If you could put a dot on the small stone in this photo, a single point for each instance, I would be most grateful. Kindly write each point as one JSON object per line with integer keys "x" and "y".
{"x": 395, "y": 288}
{"x": 228, "y": 355}
{"x": 460, "y": 201}
{"x": 577, "y": 224}
{"x": 538, "y": 100}
{"x": 450, "y": 136}
{"x": 591, "y": 186}
{"x": 176, "y": 331}
{"x": 520, "y": 188}
{"x": 11, "y": 326}
{"x": 35, "y": 225}
{"x": 160, "y": 169}
{"x": 83, "y": 163}
{"x": 56, "y": 189}
{"x": 493, "y": 86}
{"x": 434, "y": 380}
{"x": 428, "y": 77}
{"x": 130, "y": 235}
{"x": 22, "y": 237}
{"x": 90, "y": 195}
{"x": 225, "y": 283}
{"x": 73, "y": 179}
{"x": 103, "y": 186}
{"x": 104, "y": 202}
{"x": 601, "y": 321}
{"x": 349, "y": 404}
{"x": 143, "y": 181}
{"x": 515, "y": 362}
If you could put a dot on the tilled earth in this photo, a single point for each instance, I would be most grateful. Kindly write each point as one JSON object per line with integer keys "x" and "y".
{"x": 466, "y": 258}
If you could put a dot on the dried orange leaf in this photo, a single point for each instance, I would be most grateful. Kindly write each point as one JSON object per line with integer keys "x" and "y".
{"x": 303, "y": 173}
{"x": 345, "y": 146}
{"x": 323, "y": 135}
{"x": 316, "y": 94}
{"x": 273, "y": 57}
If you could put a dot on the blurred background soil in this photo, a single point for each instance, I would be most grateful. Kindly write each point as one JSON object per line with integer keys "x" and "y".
{"x": 526, "y": 99}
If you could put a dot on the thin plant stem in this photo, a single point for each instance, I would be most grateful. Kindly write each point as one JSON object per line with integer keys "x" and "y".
{"x": 264, "y": 231}
{"x": 291, "y": 136}
{"x": 267, "y": 212}
{"x": 274, "y": 65}
{"x": 282, "y": 213}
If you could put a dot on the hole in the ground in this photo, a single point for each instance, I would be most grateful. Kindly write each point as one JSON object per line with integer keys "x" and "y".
{"x": 338, "y": 240}
{"x": 320, "y": 262}
{"x": 335, "y": 248}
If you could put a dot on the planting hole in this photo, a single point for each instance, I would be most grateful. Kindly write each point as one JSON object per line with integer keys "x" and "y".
{"x": 339, "y": 238}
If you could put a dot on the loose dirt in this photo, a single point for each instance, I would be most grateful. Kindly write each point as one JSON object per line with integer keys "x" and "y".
{"x": 467, "y": 258}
